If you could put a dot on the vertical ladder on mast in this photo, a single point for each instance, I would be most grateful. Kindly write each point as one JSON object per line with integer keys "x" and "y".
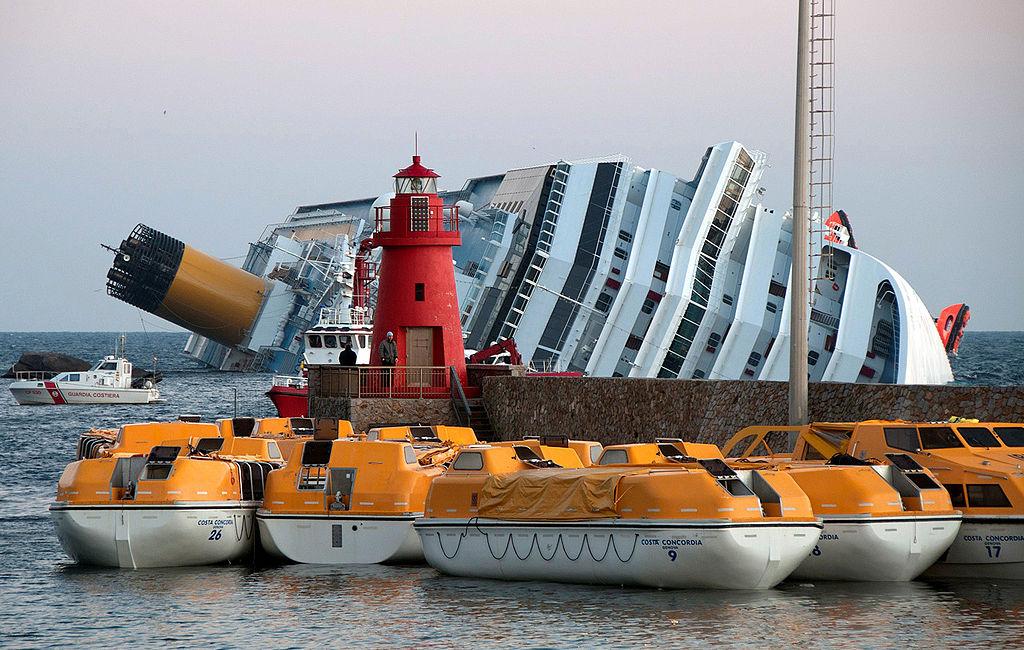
{"x": 822, "y": 116}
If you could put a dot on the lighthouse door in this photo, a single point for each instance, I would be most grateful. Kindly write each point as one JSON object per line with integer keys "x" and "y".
{"x": 419, "y": 352}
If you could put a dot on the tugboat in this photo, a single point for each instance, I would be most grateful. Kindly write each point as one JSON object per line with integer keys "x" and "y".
{"x": 978, "y": 463}
{"x": 506, "y": 513}
{"x": 108, "y": 382}
{"x": 881, "y": 523}
{"x": 324, "y": 344}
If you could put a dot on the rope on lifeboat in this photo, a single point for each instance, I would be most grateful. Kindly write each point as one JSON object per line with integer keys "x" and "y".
{"x": 535, "y": 542}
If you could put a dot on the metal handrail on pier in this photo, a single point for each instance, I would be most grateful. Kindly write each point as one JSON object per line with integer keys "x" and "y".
{"x": 407, "y": 382}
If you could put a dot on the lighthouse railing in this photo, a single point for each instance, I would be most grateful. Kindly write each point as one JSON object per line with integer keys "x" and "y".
{"x": 440, "y": 218}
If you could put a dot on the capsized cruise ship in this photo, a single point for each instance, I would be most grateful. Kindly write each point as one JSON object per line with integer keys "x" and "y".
{"x": 604, "y": 267}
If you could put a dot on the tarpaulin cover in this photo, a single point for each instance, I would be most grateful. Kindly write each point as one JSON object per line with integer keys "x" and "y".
{"x": 551, "y": 494}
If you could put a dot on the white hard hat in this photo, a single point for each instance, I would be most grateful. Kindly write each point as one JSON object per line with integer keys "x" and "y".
{"x": 390, "y": 333}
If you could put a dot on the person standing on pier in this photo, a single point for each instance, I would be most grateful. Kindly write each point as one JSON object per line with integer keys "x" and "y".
{"x": 388, "y": 350}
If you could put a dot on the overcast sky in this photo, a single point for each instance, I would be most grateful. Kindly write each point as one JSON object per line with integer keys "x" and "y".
{"x": 209, "y": 120}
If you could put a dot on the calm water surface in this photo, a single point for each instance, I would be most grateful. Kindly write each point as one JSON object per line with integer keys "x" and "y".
{"x": 48, "y": 601}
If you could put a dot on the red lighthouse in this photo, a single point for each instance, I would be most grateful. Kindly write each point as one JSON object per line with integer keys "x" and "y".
{"x": 416, "y": 297}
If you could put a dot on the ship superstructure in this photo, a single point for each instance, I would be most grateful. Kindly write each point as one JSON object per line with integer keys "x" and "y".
{"x": 608, "y": 268}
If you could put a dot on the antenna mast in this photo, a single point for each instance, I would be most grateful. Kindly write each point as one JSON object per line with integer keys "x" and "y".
{"x": 801, "y": 224}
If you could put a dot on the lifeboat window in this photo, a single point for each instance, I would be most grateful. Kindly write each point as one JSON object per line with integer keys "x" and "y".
{"x": 469, "y": 460}
{"x": 330, "y": 341}
{"x": 156, "y": 472}
{"x": 1011, "y": 436}
{"x": 273, "y": 451}
{"x": 316, "y": 452}
{"x": 343, "y": 480}
{"x": 956, "y": 495}
{"x": 410, "y": 455}
{"x": 987, "y": 496}
{"x": 301, "y": 426}
{"x": 614, "y": 457}
{"x": 595, "y": 453}
{"x": 726, "y": 477}
{"x": 314, "y": 341}
{"x": 904, "y": 438}
{"x": 208, "y": 445}
{"x": 978, "y": 437}
{"x": 939, "y": 438}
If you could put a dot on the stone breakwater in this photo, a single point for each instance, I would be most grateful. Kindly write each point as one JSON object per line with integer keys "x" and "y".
{"x": 619, "y": 410}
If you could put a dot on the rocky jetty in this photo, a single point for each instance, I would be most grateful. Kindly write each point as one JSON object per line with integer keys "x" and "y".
{"x": 49, "y": 362}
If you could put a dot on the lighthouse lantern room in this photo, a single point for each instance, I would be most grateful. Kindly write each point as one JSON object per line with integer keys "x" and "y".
{"x": 416, "y": 298}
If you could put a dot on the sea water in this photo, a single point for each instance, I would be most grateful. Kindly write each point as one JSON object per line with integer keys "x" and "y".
{"x": 48, "y": 601}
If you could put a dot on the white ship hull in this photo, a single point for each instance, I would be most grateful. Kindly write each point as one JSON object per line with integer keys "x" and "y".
{"x": 340, "y": 539}
{"x": 986, "y": 547}
{"x": 665, "y": 555}
{"x": 139, "y": 537}
{"x": 48, "y": 392}
{"x": 889, "y": 549}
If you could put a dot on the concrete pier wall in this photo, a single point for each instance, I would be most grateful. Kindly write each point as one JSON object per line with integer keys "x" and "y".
{"x": 618, "y": 410}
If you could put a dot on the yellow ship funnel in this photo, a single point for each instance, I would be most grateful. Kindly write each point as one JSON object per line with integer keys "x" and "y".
{"x": 174, "y": 281}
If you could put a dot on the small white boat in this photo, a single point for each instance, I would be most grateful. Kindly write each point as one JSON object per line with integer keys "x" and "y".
{"x": 108, "y": 382}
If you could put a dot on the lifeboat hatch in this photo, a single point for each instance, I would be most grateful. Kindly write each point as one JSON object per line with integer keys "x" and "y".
{"x": 726, "y": 477}
{"x": 342, "y": 483}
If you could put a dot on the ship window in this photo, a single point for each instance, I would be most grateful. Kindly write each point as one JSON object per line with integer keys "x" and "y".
{"x": 904, "y": 438}
{"x": 110, "y": 365}
{"x": 604, "y": 302}
{"x": 676, "y": 204}
{"x": 772, "y": 307}
{"x": 727, "y": 299}
{"x": 978, "y": 437}
{"x": 939, "y": 438}
{"x": 314, "y": 341}
{"x": 419, "y": 291}
{"x": 812, "y": 358}
{"x": 956, "y": 495}
{"x": 613, "y": 457}
{"x": 648, "y": 306}
{"x": 621, "y": 254}
{"x": 625, "y": 236}
{"x": 661, "y": 271}
{"x": 698, "y": 374}
{"x": 634, "y": 342}
{"x": 330, "y": 341}
{"x": 1011, "y": 436}
{"x": 410, "y": 455}
{"x": 75, "y": 377}
{"x": 987, "y": 496}
{"x": 469, "y": 460}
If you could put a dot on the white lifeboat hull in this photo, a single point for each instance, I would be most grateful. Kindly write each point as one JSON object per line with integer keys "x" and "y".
{"x": 139, "y": 537}
{"x": 48, "y": 392}
{"x": 340, "y": 539}
{"x": 986, "y": 547}
{"x": 878, "y": 549}
{"x": 676, "y": 555}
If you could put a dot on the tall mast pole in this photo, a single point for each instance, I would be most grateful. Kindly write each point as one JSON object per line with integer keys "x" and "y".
{"x": 801, "y": 223}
